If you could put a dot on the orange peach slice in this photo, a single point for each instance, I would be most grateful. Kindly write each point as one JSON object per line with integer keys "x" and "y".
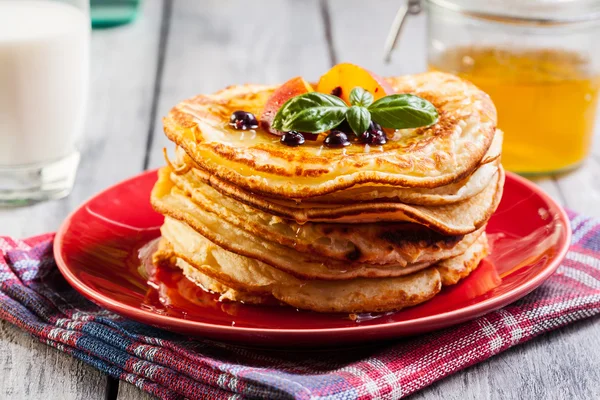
{"x": 292, "y": 88}
{"x": 342, "y": 78}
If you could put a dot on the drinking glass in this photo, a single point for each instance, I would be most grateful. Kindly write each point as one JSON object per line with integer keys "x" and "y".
{"x": 44, "y": 74}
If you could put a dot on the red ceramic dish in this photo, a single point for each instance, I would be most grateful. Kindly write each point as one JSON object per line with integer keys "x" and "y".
{"x": 97, "y": 250}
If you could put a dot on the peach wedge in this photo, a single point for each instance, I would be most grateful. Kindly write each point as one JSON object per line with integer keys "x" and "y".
{"x": 342, "y": 78}
{"x": 292, "y": 88}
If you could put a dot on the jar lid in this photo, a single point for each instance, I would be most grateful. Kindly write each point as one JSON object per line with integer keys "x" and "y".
{"x": 531, "y": 11}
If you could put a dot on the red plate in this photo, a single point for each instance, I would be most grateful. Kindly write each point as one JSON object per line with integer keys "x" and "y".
{"x": 97, "y": 250}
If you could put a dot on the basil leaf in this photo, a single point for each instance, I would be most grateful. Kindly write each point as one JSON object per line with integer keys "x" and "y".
{"x": 358, "y": 118}
{"x": 310, "y": 112}
{"x": 360, "y": 97}
{"x": 277, "y": 120}
{"x": 401, "y": 111}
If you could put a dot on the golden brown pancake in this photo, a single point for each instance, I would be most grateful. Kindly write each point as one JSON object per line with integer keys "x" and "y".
{"x": 452, "y": 193}
{"x": 425, "y": 157}
{"x": 452, "y": 219}
{"x": 448, "y": 194}
{"x": 304, "y": 265}
{"x": 386, "y": 243}
{"x": 239, "y": 278}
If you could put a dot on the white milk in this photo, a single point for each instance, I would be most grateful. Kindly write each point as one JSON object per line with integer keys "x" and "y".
{"x": 44, "y": 50}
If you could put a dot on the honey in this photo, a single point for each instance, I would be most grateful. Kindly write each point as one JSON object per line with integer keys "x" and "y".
{"x": 546, "y": 102}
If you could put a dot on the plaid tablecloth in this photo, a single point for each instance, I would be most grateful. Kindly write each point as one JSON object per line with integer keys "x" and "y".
{"x": 35, "y": 297}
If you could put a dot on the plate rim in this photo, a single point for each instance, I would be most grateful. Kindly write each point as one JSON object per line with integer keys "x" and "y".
{"x": 432, "y": 322}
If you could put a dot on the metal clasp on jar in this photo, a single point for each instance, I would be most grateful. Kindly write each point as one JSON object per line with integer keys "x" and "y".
{"x": 411, "y": 7}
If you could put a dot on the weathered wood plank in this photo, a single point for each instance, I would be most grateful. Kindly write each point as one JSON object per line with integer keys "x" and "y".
{"x": 127, "y": 391}
{"x": 581, "y": 188}
{"x": 558, "y": 365}
{"x": 113, "y": 148}
{"x": 32, "y": 370}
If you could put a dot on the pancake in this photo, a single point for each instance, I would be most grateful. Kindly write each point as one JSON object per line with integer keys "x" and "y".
{"x": 442, "y": 195}
{"x": 426, "y": 157}
{"x": 302, "y": 265}
{"x": 452, "y": 219}
{"x": 226, "y": 293}
{"x": 390, "y": 243}
{"x": 448, "y": 194}
{"x": 239, "y": 278}
{"x": 165, "y": 258}
{"x": 453, "y": 270}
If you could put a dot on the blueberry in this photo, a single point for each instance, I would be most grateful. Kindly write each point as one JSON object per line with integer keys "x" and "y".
{"x": 310, "y": 136}
{"x": 364, "y": 137}
{"x": 336, "y": 139}
{"x": 243, "y": 120}
{"x": 292, "y": 138}
{"x": 379, "y": 139}
{"x": 376, "y": 136}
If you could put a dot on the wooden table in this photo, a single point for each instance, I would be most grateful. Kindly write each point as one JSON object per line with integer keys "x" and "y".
{"x": 180, "y": 48}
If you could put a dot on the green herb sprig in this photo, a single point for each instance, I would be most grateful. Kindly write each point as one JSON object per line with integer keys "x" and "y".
{"x": 318, "y": 112}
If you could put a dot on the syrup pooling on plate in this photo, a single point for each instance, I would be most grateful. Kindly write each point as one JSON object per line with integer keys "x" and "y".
{"x": 171, "y": 294}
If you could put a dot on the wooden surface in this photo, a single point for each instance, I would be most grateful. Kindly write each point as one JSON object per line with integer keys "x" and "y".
{"x": 182, "y": 47}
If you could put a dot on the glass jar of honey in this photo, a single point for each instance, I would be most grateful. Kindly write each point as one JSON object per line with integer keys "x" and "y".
{"x": 539, "y": 60}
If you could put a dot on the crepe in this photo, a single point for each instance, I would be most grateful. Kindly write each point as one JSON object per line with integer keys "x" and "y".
{"x": 425, "y": 157}
{"x": 239, "y": 278}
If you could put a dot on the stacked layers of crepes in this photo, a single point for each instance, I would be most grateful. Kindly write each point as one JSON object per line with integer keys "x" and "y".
{"x": 358, "y": 229}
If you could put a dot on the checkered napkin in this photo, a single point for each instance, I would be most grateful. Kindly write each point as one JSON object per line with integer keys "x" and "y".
{"x": 34, "y": 297}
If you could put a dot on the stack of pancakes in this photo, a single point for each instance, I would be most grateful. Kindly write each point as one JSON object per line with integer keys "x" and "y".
{"x": 358, "y": 229}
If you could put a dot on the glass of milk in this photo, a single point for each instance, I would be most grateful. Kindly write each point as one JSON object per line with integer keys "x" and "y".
{"x": 44, "y": 74}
